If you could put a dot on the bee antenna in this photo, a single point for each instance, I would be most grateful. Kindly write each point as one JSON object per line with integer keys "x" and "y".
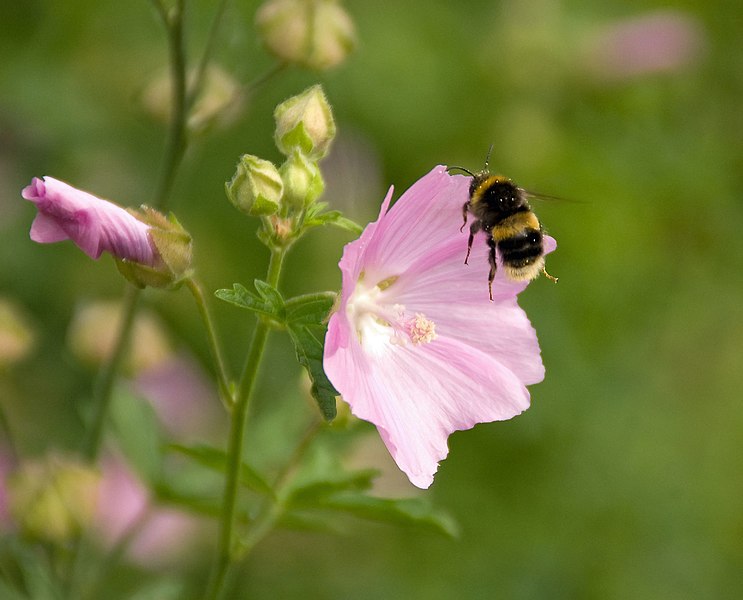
{"x": 487, "y": 158}
{"x": 448, "y": 170}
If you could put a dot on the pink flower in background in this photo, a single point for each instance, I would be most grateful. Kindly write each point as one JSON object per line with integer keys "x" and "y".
{"x": 95, "y": 225}
{"x": 159, "y": 535}
{"x": 654, "y": 42}
{"x": 416, "y": 346}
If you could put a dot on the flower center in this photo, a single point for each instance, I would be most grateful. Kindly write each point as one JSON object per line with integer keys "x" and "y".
{"x": 379, "y": 322}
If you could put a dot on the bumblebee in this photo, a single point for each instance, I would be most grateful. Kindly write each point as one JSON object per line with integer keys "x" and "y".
{"x": 502, "y": 211}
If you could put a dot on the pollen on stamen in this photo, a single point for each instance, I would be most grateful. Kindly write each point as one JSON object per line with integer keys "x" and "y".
{"x": 421, "y": 329}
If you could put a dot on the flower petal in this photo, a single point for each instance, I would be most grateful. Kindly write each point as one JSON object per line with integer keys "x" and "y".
{"x": 426, "y": 215}
{"x": 455, "y": 297}
{"x": 418, "y": 395}
{"x": 95, "y": 225}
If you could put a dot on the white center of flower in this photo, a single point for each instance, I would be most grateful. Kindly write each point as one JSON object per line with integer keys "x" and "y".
{"x": 378, "y": 322}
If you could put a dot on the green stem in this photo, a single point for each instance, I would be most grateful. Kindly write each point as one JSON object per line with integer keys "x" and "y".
{"x": 225, "y": 542}
{"x": 104, "y": 386}
{"x": 222, "y": 377}
{"x": 273, "y": 508}
{"x": 198, "y": 80}
{"x": 9, "y": 446}
{"x": 175, "y": 149}
{"x": 176, "y": 142}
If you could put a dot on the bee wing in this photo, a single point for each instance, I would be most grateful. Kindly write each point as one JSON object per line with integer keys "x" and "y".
{"x": 549, "y": 198}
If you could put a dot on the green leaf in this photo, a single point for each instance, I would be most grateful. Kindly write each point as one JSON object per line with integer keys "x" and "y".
{"x": 270, "y": 294}
{"x": 30, "y": 570}
{"x": 415, "y": 512}
{"x": 195, "y": 503}
{"x": 309, "y": 351}
{"x": 310, "y": 309}
{"x": 268, "y": 302}
{"x": 8, "y": 593}
{"x": 317, "y": 216}
{"x": 311, "y": 493}
{"x": 137, "y": 430}
{"x": 161, "y": 589}
{"x": 216, "y": 460}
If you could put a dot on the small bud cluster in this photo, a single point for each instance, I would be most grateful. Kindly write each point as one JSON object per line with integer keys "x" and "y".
{"x": 281, "y": 195}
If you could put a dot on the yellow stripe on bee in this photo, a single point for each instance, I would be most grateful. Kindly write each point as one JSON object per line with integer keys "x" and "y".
{"x": 514, "y": 225}
{"x": 491, "y": 180}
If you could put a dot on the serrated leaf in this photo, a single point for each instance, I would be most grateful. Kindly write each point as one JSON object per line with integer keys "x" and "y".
{"x": 309, "y": 351}
{"x": 137, "y": 430}
{"x": 311, "y": 309}
{"x": 240, "y": 296}
{"x": 415, "y": 512}
{"x": 216, "y": 460}
{"x": 270, "y": 295}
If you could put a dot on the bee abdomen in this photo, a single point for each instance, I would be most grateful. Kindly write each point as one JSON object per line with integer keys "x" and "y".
{"x": 522, "y": 254}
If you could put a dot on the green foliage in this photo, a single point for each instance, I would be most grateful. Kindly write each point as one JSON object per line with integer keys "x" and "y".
{"x": 324, "y": 487}
{"x": 587, "y": 494}
{"x": 304, "y": 317}
{"x": 266, "y": 303}
{"x": 26, "y": 575}
{"x": 137, "y": 431}
{"x": 216, "y": 460}
{"x": 317, "y": 215}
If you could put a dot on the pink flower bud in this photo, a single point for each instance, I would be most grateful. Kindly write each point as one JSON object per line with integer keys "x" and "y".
{"x": 149, "y": 248}
{"x": 95, "y": 225}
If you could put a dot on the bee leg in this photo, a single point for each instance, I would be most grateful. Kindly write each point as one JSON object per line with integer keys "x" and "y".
{"x": 548, "y": 276}
{"x": 465, "y": 208}
{"x": 493, "y": 265}
{"x": 474, "y": 228}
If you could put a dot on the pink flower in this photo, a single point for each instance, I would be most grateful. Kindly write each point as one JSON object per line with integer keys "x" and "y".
{"x": 653, "y": 42}
{"x": 416, "y": 346}
{"x": 95, "y": 225}
{"x": 157, "y": 535}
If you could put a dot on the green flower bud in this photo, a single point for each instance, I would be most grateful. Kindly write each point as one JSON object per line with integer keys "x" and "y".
{"x": 318, "y": 34}
{"x": 16, "y": 335}
{"x": 174, "y": 248}
{"x": 92, "y": 334}
{"x": 218, "y": 102}
{"x": 54, "y": 498}
{"x": 303, "y": 182}
{"x": 305, "y": 123}
{"x": 256, "y": 188}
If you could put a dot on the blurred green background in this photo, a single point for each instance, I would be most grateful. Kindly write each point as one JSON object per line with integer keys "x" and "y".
{"x": 625, "y": 478}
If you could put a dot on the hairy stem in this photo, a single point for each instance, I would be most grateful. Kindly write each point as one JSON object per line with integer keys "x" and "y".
{"x": 176, "y": 141}
{"x": 226, "y": 540}
{"x": 222, "y": 377}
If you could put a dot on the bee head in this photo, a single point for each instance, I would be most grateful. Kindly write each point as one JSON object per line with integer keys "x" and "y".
{"x": 498, "y": 193}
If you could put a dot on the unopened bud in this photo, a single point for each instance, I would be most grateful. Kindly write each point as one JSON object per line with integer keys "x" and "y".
{"x": 305, "y": 123}
{"x": 92, "y": 334}
{"x": 318, "y": 34}
{"x": 303, "y": 182}
{"x": 256, "y": 187}
{"x": 54, "y": 498}
{"x": 16, "y": 336}
{"x": 218, "y": 100}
